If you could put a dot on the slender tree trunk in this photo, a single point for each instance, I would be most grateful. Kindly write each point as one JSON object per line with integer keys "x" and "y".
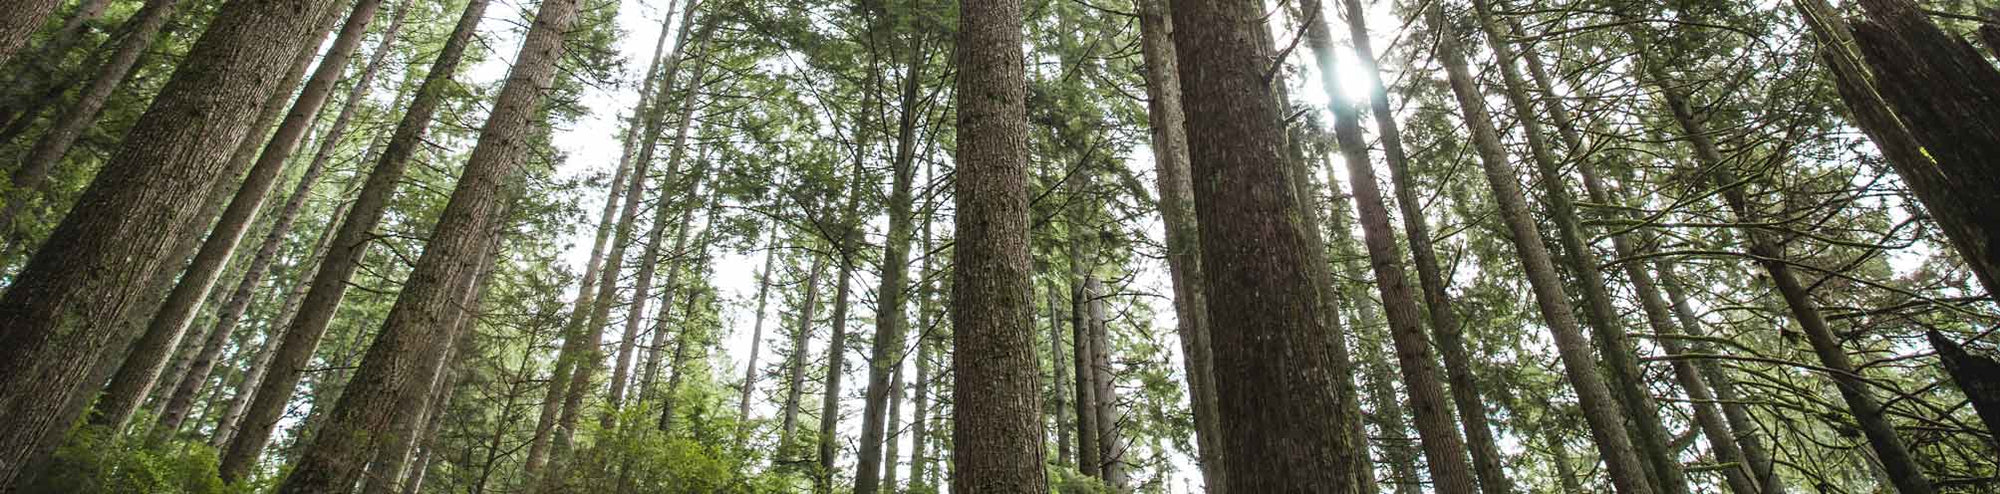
{"x": 1389, "y": 418}
{"x": 179, "y": 313}
{"x": 674, "y": 283}
{"x": 1354, "y": 291}
{"x": 849, "y": 232}
{"x": 1089, "y": 433}
{"x": 1733, "y": 410}
{"x": 926, "y": 322}
{"x": 1607, "y": 421}
{"x": 1615, "y": 349}
{"x": 756, "y": 339}
{"x": 1110, "y": 443}
{"x": 1176, "y": 188}
{"x": 891, "y": 309}
{"x": 650, "y": 261}
{"x": 1059, "y": 382}
{"x": 259, "y": 364}
{"x": 1442, "y": 446}
{"x": 586, "y": 292}
{"x": 442, "y": 274}
{"x": 997, "y": 420}
{"x": 39, "y": 83}
{"x": 16, "y": 27}
{"x": 795, "y": 380}
{"x": 1252, "y": 245}
{"x": 1901, "y": 467}
{"x": 62, "y": 307}
{"x": 304, "y": 329}
{"x": 136, "y": 35}
{"x": 1566, "y": 476}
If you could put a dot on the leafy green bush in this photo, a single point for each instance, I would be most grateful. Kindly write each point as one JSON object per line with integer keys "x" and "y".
{"x": 93, "y": 460}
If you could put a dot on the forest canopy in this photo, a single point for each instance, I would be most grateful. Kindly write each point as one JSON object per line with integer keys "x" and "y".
{"x": 999, "y": 246}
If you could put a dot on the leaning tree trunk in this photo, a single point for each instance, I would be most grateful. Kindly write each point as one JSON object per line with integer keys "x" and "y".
{"x": 795, "y": 369}
{"x": 16, "y": 26}
{"x": 61, "y": 308}
{"x": 1441, "y": 444}
{"x": 136, "y": 379}
{"x": 304, "y": 329}
{"x": 1256, "y": 258}
{"x": 1176, "y": 188}
{"x": 1869, "y": 414}
{"x": 1600, "y": 409}
{"x": 997, "y": 425}
{"x": 443, "y": 273}
{"x": 756, "y": 339}
{"x": 1978, "y": 376}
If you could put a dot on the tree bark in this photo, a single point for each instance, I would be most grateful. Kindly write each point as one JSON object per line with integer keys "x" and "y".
{"x": 1176, "y": 189}
{"x": 61, "y": 308}
{"x": 141, "y": 372}
{"x": 1110, "y": 443}
{"x": 997, "y": 402}
{"x": 796, "y": 369}
{"x": 1978, "y": 376}
{"x": 1606, "y": 420}
{"x": 137, "y": 34}
{"x": 1253, "y": 244}
{"x": 1059, "y": 382}
{"x": 1089, "y": 434}
{"x": 1733, "y": 410}
{"x": 16, "y": 27}
{"x": 304, "y": 329}
{"x": 920, "y": 462}
{"x": 756, "y": 339}
{"x": 442, "y": 274}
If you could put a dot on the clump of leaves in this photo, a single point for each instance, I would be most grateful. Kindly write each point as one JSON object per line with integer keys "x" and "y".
{"x": 96, "y": 460}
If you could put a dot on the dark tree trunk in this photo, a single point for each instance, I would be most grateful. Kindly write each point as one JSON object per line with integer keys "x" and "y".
{"x": 891, "y": 302}
{"x": 442, "y": 274}
{"x": 26, "y": 18}
{"x": 996, "y": 430}
{"x": 304, "y": 329}
{"x": 1600, "y": 410}
{"x": 1060, "y": 382}
{"x": 62, "y": 307}
{"x": 1274, "y": 347}
{"x": 1978, "y": 376}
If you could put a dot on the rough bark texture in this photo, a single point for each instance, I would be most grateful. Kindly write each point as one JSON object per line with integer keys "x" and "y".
{"x": 1901, "y": 468}
{"x": 329, "y": 282}
{"x": 1176, "y": 187}
{"x": 996, "y": 431}
{"x": 1088, "y": 432}
{"x": 442, "y": 276}
{"x": 1945, "y": 94}
{"x": 1274, "y": 345}
{"x": 1978, "y": 376}
{"x": 136, "y": 35}
{"x": 231, "y": 313}
{"x": 140, "y": 373}
{"x": 1600, "y": 410}
{"x": 1060, "y": 383}
{"x": 891, "y": 318}
{"x": 1442, "y": 446}
{"x": 16, "y": 27}
{"x": 61, "y": 308}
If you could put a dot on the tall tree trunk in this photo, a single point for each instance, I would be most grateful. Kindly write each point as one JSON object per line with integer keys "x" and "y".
{"x": 1733, "y": 410}
{"x": 1176, "y": 188}
{"x": 674, "y": 283}
{"x": 1659, "y": 318}
{"x": 1608, "y": 330}
{"x": 795, "y": 369}
{"x": 136, "y": 35}
{"x": 756, "y": 339}
{"x": 1059, "y": 382}
{"x": 1353, "y": 290}
{"x": 141, "y": 372}
{"x": 232, "y": 311}
{"x": 1089, "y": 434}
{"x": 1110, "y": 443}
{"x": 1607, "y": 421}
{"x": 891, "y": 309}
{"x": 1978, "y": 376}
{"x": 586, "y": 292}
{"x": 62, "y": 307}
{"x": 1389, "y": 418}
{"x": 926, "y": 322}
{"x": 995, "y": 396}
{"x": 1253, "y": 246}
{"x": 848, "y": 231}
{"x": 1442, "y": 446}
{"x": 442, "y": 275}
{"x": 16, "y": 27}
{"x": 304, "y": 329}
{"x": 226, "y": 423}
{"x": 1901, "y": 467}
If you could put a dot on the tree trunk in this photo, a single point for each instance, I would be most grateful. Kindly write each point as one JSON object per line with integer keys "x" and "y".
{"x": 141, "y": 372}
{"x": 226, "y": 424}
{"x": 1902, "y": 468}
{"x": 849, "y": 232}
{"x": 62, "y": 306}
{"x": 795, "y": 381}
{"x": 137, "y": 34}
{"x": 1252, "y": 246}
{"x": 1353, "y": 290}
{"x": 756, "y": 339}
{"x": 1059, "y": 381}
{"x": 1978, "y": 376}
{"x": 443, "y": 273}
{"x": 1089, "y": 434}
{"x": 1176, "y": 188}
{"x": 891, "y": 309}
{"x": 1607, "y": 422}
{"x": 1733, "y": 410}
{"x": 1110, "y": 443}
{"x": 586, "y": 292}
{"x": 674, "y": 283}
{"x": 16, "y": 27}
{"x": 1389, "y": 418}
{"x": 920, "y": 461}
{"x": 1441, "y": 444}
{"x": 997, "y": 402}
{"x": 329, "y": 281}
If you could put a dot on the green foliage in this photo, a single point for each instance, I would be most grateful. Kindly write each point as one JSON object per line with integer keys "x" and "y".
{"x": 96, "y": 461}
